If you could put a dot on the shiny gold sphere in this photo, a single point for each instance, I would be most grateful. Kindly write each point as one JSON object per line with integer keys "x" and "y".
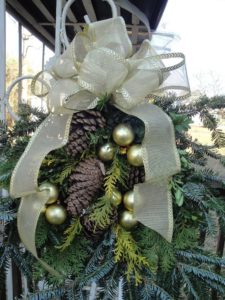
{"x": 116, "y": 197}
{"x": 106, "y": 152}
{"x": 55, "y": 214}
{"x": 52, "y": 189}
{"x": 123, "y": 135}
{"x": 128, "y": 200}
{"x": 127, "y": 220}
{"x": 134, "y": 156}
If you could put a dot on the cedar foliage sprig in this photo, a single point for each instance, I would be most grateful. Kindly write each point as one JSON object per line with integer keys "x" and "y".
{"x": 102, "y": 211}
{"x": 117, "y": 173}
{"x": 70, "y": 233}
{"x": 126, "y": 250}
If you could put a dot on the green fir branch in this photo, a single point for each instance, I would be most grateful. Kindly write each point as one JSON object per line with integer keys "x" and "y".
{"x": 200, "y": 258}
{"x": 202, "y": 274}
{"x": 153, "y": 291}
{"x": 188, "y": 284}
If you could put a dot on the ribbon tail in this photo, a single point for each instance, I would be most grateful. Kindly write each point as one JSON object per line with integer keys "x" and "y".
{"x": 153, "y": 207}
{"x": 27, "y": 218}
{"x": 161, "y": 161}
{"x": 51, "y": 134}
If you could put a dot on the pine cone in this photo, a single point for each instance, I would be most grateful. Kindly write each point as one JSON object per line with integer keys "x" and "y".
{"x": 84, "y": 183}
{"x": 137, "y": 175}
{"x": 83, "y": 122}
{"x": 90, "y": 229}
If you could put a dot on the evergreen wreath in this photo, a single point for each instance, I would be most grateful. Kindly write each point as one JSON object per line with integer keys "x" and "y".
{"x": 92, "y": 248}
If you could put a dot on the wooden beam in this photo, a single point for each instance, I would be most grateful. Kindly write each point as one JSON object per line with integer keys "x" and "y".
{"x": 29, "y": 18}
{"x": 142, "y": 28}
{"x": 44, "y": 10}
{"x": 90, "y": 10}
{"x": 135, "y": 29}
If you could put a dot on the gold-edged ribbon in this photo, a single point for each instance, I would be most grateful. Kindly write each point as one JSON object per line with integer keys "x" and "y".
{"x": 99, "y": 61}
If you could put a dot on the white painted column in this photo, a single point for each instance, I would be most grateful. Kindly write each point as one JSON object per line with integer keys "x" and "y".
{"x": 20, "y": 60}
{"x": 58, "y": 27}
{"x": 3, "y": 111}
{"x": 2, "y": 60}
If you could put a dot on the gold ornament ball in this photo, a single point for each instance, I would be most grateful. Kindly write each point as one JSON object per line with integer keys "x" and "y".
{"x": 52, "y": 189}
{"x": 106, "y": 152}
{"x": 116, "y": 197}
{"x": 55, "y": 214}
{"x": 128, "y": 200}
{"x": 127, "y": 220}
{"x": 134, "y": 156}
{"x": 123, "y": 135}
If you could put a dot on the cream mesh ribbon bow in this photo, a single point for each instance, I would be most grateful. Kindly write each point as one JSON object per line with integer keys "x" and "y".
{"x": 98, "y": 61}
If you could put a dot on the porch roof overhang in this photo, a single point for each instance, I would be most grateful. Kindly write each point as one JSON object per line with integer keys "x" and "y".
{"x": 39, "y": 16}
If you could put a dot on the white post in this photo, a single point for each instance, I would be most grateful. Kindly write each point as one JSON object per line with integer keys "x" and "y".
{"x": 2, "y": 60}
{"x": 20, "y": 59}
{"x": 42, "y": 67}
{"x": 58, "y": 27}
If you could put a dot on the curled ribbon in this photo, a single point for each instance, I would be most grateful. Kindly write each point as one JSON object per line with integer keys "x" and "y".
{"x": 98, "y": 61}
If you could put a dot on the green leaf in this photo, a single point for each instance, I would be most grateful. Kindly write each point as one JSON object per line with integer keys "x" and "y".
{"x": 179, "y": 197}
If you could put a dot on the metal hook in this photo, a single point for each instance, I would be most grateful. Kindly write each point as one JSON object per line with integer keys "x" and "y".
{"x": 86, "y": 18}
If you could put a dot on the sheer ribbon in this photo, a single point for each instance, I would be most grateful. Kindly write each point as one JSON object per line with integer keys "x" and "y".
{"x": 99, "y": 61}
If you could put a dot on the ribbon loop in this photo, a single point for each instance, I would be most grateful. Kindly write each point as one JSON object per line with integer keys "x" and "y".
{"x": 102, "y": 71}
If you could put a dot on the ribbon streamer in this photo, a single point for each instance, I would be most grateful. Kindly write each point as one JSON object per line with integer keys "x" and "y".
{"x": 98, "y": 61}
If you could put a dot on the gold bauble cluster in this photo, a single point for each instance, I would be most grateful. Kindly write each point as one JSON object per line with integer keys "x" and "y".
{"x": 54, "y": 213}
{"x": 123, "y": 136}
{"x": 127, "y": 219}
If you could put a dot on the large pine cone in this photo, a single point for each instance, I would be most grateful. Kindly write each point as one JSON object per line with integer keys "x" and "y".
{"x": 84, "y": 185}
{"x": 83, "y": 122}
{"x": 137, "y": 175}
